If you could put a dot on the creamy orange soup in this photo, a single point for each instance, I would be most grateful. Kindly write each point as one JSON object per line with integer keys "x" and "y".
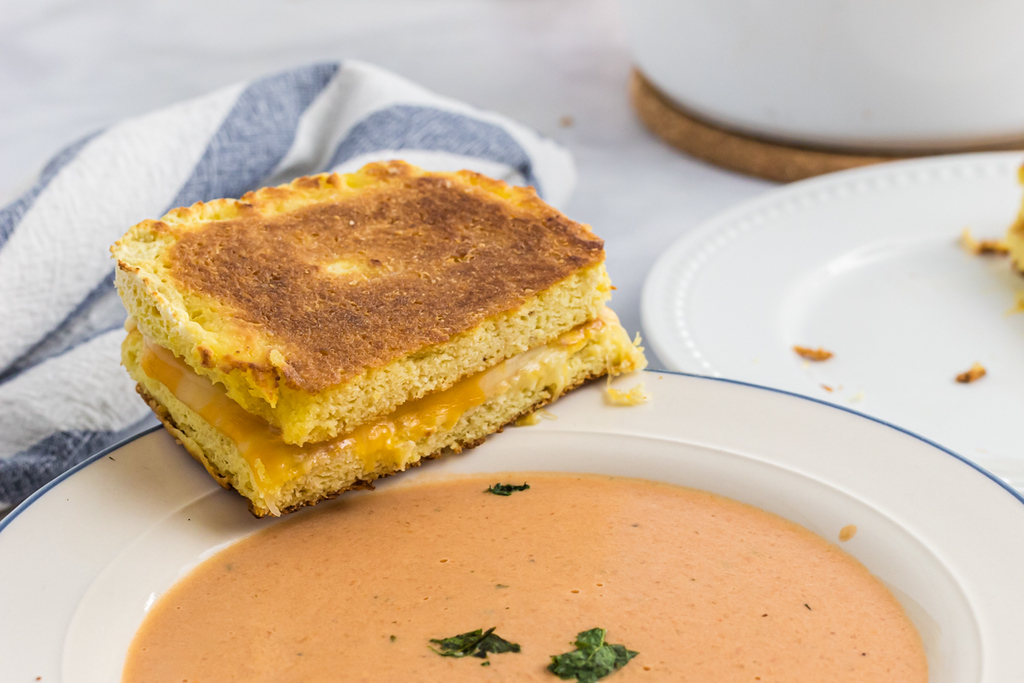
{"x": 704, "y": 588}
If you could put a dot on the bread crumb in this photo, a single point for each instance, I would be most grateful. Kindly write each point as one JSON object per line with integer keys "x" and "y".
{"x": 535, "y": 418}
{"x": 566, "y": 121}
{"x": 847, "y": 532}
{"x": 1018, "y": 304}
{"x": 978, "y": 247}
{"x": 827, "y": 388}
{"x": 976, "y": 372}
{"x": 633, "y": 397}
{"x": 807, "y": 353}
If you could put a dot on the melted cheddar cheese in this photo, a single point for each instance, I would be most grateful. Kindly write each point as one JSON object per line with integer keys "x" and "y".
{"x": 390, "y": 439}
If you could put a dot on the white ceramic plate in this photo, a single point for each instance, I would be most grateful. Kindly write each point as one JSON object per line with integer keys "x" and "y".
{"x": 866, "y": 264}
{"x": 82, "y": 561}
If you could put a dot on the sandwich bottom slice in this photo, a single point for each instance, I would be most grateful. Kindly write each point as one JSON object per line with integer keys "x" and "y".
{"x": 242, "y": 451}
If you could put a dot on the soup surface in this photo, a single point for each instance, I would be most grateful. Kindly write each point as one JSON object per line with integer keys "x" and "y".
{"x": 703, "y": 587}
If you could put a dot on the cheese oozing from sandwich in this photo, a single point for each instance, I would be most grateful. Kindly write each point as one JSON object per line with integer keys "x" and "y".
{"x": 392, "y": 441}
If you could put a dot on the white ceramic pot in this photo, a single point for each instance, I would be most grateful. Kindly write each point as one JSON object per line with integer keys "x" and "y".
{"x": 855, "y": 74}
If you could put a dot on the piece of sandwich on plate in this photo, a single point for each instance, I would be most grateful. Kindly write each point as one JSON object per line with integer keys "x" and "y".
{"x": 1015, "y": 235}
{"x": 307, "y": 339}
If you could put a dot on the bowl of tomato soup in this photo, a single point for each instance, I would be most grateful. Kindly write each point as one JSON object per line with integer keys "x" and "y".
{"x": 696, "y": 584}
{"x": 719, "y": 531}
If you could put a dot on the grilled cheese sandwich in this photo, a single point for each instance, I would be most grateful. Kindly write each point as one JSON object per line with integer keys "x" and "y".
{"x": 308, "y": 339}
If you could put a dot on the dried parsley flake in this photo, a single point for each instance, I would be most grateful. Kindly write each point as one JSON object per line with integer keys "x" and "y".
{"x": 506, "y": 489}
{"x": 474, "y": 644}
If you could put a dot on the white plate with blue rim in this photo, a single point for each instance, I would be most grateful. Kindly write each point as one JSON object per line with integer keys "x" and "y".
{"x": 868, "y": 265}
{"x": 82, "y": 561}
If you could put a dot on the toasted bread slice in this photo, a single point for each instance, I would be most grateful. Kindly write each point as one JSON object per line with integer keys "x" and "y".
{"x": 244, "y": 452}
{"x": 330, "y": 301}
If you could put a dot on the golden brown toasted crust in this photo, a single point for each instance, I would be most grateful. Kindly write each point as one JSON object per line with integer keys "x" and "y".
{"x": 357, "y": 282}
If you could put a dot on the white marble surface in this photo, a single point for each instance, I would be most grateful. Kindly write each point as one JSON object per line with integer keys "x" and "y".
{"x": 68, "y": 68}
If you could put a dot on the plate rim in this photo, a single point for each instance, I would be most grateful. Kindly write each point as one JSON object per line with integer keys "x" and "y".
{"x": 53, "y": 483}
{"x": 66, "y": 474}
{"x": 654, "y": 291}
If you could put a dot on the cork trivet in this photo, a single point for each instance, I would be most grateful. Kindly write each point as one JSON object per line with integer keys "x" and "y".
{"x": 749, "y": 155}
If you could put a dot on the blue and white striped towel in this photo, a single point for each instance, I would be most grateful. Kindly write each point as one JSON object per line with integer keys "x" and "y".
{"x": 63, "y": 394}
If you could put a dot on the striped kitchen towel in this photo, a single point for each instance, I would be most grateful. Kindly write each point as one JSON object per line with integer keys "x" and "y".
{"x": 63, "y": 394}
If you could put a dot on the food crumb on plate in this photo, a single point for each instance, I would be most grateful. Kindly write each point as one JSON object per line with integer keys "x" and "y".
{"x": 1018, "y": 304}
{"x": 976, "y": 372}
{"x": 634, "y": 396}
{"x": 807, "y": 353}
{"x": 994, "y": 247}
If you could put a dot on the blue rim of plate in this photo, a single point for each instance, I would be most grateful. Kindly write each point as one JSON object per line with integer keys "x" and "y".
{"x": 5, "y": 522}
